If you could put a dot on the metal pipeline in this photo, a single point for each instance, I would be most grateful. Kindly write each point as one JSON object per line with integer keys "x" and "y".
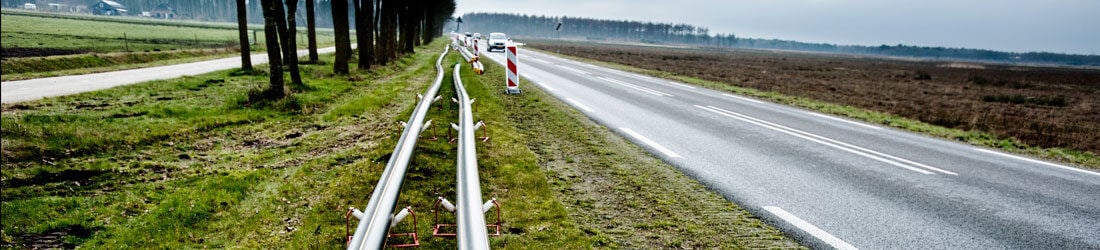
{"x": 470, "y": 218}
{"x": 372, "y": 228}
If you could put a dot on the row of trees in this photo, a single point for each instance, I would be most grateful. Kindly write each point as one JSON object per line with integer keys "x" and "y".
{"x": 594, "y": 29}
{"x": 648, "y": 32}
{"x": 386, "y": 29}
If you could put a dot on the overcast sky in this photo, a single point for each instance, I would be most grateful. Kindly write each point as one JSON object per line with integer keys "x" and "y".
{"x": 1063, "y": 26}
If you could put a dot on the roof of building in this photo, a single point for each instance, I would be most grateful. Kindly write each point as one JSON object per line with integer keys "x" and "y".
{"x": 114, "y": 4}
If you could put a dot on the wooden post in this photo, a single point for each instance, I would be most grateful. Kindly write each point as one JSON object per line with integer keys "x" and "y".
{"x": 126, "y": 41}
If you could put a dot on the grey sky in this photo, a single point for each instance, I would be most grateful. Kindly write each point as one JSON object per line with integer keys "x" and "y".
{"x": 1063, "y": 26}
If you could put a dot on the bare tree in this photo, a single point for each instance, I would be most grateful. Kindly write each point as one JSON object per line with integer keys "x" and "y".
{"x": 242, "y": 31}
{"x": 284, "y": 37}
{"x": 292, "y": 42}
{"x": 343, "y": 36}
{"x": 275, "y": 64}
{"x": 311, "y": 34}
{"x": 364, "y": 31}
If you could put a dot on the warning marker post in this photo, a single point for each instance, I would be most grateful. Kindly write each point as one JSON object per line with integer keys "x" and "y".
{"x": 512, "y": 77}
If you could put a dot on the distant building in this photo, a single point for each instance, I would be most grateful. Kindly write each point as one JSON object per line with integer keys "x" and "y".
{"x": 71, "y": 6}
{"x": 163, "y": 11}
{"x": 109, "y": 8}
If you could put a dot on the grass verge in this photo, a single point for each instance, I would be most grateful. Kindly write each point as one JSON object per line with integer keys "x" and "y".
{"x": 39, "y": 67}
{"x": 974, "y": 137}
{"x": 190, "y": 163}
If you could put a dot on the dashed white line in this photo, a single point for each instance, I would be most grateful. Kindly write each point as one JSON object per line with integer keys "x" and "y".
{"x": 810, "y": 228}
{"x": 651, "y": 143}
{"x": 874, "y": 155}
{"x": 1037, "y": 161}
{"x": 636, "y": 87}
{"x": 743, "y": 98}
{"x": 579, "y": 105}
{"x": 540, "y": 60}
{"x": 843, "y": 120}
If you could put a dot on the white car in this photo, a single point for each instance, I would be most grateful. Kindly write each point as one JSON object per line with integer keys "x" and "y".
{"x": 497, "y": 41}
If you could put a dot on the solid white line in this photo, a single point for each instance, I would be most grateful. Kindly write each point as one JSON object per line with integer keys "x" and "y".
{"x": 681, "y": 85}
{"x": 1038, "y": 161}
{"x": 649, "y": 142}
{"x": 636, "y": 87}
{"x": 574, "y": 70}
{"x": 843, "y": 120}
{"x": 579, "y": 105}
{"x": 737, "y": 116}
{"x": 895, "y": 158}
{"x": 540, "y": 60}
{"x": 810, "y": 228}
{"x": 652, "y": 79}
{"x": 844, "y": 143}
{"x": 744, "y": 98}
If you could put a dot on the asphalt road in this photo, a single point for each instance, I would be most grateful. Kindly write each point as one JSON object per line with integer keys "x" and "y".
{"x": 832, "y": 182}
{"x": 33, "y": 89}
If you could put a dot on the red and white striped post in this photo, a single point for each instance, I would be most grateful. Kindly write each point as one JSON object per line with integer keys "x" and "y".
{"x": 477, "y": 52}
{"x": 512, "y": 77}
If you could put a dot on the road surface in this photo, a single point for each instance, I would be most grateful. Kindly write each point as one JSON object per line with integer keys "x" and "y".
{"x": 832, "y": 182}
{"x": 33, "y": 89}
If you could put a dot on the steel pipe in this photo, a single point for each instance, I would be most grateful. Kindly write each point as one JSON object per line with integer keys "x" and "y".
{"x": 470, "y": 218}
{"x": 372, "y": 229}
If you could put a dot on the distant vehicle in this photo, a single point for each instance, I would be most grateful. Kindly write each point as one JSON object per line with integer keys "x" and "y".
{"x": 468, "y": 34}
{"x": 477, "y": 35}
{"x": 497, "y": 41}
{"x": 30, "y": 6}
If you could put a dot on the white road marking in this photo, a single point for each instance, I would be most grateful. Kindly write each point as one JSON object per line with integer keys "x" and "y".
{"x": 875, "y": 155}
{"x": 744, "y": 98}
{"x": 541, "y": 61}
{"x": 574, "y": 70}
{"x": 649, "y": 142}
{"x": 810, "y": 228}
{"x": 579, "y": 105}
{"x": 651, "y": 79}
{"x": 636, "y": 87}
{"x": 681, "y": 85}
{"x": 1038, "y": 161}
{"x": 843, "y": 120}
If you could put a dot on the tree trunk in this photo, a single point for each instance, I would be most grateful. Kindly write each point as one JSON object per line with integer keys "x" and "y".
{"x": 409, "y": 22}
{"x": 292, "y": 40}
{"x": 311, "y": 25}
{"x": 370, "y": 6}
{"x": 363, "y": 10}
{"x": 275, "y": 64}
{"x": 284, "y": 36}
{"x": 387, "y": 36}
{"x": 242, "y": 32}
{"x": 343, "y": 36}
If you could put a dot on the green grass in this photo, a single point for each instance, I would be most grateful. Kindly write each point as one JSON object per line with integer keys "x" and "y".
{"x": 110, "y": 35}
{"x": 190, "y": 163}
{"x": 977, "y": 138}
{"x": 106, "y": 36}
{"x": 38, "y": 67}
{"x": 106, "y": 44}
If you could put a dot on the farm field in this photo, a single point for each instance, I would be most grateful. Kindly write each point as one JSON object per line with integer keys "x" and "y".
{"x": 189, "y": 162}
{"x": 38, "y": 45}
{"x": 1053, "y": 113}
